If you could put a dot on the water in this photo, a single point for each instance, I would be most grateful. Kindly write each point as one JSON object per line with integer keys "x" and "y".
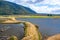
{"x": 47, "y": 26}
{"x": 12, "y": 30}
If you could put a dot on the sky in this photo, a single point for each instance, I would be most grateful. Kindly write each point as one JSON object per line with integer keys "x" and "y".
{"x": 41, "y": 6}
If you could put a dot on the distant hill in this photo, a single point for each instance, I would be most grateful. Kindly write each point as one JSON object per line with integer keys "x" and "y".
{"x": 48, "y": 14}
{"x": 9, "y": 8}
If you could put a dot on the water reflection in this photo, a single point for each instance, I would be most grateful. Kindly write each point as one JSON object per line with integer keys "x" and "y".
{"x": 12, "y": 29}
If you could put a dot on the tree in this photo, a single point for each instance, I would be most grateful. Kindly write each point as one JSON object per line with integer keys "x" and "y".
{"x": 49, "y": 14}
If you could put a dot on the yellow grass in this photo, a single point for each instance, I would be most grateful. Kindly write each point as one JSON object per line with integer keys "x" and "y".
{"x": 27, "y": 16}
{"x": 31, "y": 32}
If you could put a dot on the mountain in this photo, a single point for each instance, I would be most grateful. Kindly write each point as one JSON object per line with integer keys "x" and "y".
{"x": 9, "y": 8}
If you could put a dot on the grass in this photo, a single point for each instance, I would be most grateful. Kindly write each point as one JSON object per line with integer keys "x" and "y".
{"x": 27, "y": 16}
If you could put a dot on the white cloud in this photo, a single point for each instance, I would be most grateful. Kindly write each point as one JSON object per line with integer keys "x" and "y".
{"x": 10, "y": 0}
{"x": 33, "y": 0}
{"x": 46, "y": 6}
{"x": 51, "y": 2}
{"x": 38, "y": 9}
{"x": 43, "y": 9}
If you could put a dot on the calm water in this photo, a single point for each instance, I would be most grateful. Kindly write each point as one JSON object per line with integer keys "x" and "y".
{"x": 47, "y": 26}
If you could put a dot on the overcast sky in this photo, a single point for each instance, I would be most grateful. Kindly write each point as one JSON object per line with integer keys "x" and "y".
{"x": 40, "y": 6}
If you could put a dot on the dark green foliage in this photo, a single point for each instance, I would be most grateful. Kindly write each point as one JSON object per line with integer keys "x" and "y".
{"x": 9, "y": 8}
{"x": 49, "y": 14}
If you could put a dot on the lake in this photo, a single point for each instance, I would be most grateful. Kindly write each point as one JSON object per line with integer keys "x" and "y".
{"x": 48, "y": 26}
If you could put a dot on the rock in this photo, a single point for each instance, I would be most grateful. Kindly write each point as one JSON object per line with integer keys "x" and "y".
{"x": 54, "y": 37}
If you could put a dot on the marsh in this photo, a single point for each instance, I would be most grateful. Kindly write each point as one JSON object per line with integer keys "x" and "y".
{"x": 48, "y": 26}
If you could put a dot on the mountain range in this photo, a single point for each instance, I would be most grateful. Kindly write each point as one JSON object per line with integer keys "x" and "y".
{"x": 9, "y": 8}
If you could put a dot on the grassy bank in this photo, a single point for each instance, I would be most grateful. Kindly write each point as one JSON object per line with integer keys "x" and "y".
{"x": 27, "y": 16}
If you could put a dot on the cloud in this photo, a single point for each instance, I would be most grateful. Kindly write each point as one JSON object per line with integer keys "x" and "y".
{"x": 40, "y": 6}
{"x": 10, "y": 0}
{"x": 28, "y": 1}
{"x": 43, "y": 9}
{"x": 56, "y": 11}
{"x": 38, "y": 9}
{"x": 34, "y": 1}
{"x": 51, "y": 2}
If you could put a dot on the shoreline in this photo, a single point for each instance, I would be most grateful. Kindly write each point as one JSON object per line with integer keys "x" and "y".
{"x": 27, "y": 16}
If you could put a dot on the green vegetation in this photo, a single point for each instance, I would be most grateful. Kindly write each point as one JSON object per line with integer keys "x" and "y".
{"x": 27, "y": 16}
{"x": 13, "y": 38}
{"x": 9, "y": 8}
